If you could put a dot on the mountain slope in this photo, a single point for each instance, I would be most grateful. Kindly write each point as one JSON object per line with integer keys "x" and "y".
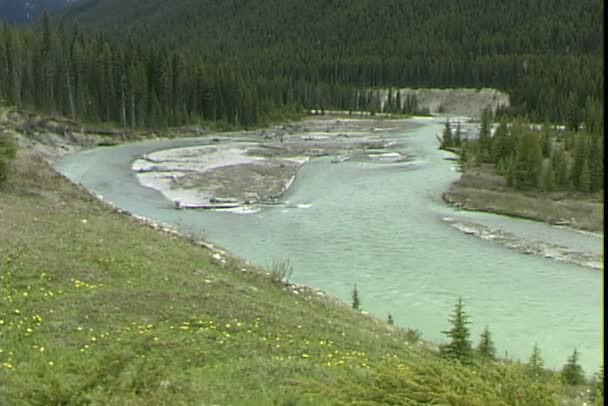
{"x": 345, "y": 25}
{"x": 540, "y": 53}
{"x": 26, "y": 11}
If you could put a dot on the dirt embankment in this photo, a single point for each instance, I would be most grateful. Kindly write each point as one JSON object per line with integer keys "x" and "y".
{"x": 463, "y": 102}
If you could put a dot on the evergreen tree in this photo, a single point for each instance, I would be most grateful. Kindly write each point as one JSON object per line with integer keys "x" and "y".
{"x": 536, "y": 363}
{"x": 460, "y": 347}
{"x": 486, "y": 346}
{"x": 485, "y": 139}
{"x": 390, "y": 319}
{"x": 8, "y": 151}
{"x": 356, "y": 300}
{"x": 584, "y": 182}
{"x": 572, "y": 372}
{"x": 446, "y": 139}
{"x": 458, "y": 135}
{"x": 547, "y": 178}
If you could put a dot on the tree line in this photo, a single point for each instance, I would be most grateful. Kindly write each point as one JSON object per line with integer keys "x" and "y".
{"x": 249, "y": 68}
{"x": 548, "y": 54}
{"x": 545, "y": 157}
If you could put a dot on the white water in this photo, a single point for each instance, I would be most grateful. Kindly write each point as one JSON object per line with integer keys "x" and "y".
{"x": 379, "y": 225}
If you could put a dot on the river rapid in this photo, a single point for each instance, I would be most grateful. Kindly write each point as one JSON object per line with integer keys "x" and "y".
{"x": 381, "y": 226}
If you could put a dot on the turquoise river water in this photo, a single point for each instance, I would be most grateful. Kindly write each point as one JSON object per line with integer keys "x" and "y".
{"x": 380, "y": 226}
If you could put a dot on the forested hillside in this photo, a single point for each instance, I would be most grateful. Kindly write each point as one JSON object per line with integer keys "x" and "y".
{"x": 542, "y": 52}
{"x": 163, "y": 62}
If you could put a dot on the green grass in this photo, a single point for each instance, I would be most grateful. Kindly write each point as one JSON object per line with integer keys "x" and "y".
{"x": 98, "y": 308}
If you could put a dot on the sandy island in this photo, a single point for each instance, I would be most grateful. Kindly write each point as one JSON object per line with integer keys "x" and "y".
{"x": 233, "y": 174}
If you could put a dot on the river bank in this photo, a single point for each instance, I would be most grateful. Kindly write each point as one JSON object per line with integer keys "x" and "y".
{"x": 478, "y": 189}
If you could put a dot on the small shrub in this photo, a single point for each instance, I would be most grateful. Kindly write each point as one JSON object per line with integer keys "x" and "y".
{"x": 486, "y": 346}
{"x": 281, "y": 271}
{"x": 356, "y": 300}
{"x": 8, "y": 151}
{"x": 460, "y": 345}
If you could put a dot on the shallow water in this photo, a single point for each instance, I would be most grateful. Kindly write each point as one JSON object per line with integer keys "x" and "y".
{"x": 379, "y": 225}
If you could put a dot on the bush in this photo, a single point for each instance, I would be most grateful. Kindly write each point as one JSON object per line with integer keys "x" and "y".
{"x": 281, "y": 271}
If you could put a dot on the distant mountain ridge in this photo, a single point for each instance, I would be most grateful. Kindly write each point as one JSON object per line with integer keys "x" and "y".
{"x": 27, "y": 11}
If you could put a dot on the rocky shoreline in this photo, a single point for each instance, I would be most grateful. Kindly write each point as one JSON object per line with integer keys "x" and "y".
{"x": 528, "y": 247}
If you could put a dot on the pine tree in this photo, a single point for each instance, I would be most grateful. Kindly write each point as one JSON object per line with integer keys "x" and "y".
{"x": 390, "y": 319}
{"x": 584, "y": 182}
{"x": 458, "y": 135}
{"x": 486, "y": 346}
{"x": 8, "y": 151}
{"x": 460, "y": 347}
{"x": 485, "y": 139}
{"x": 356, "y": 301}
{"x": 546, "y": 180}
{"x": 446, "y": 139}
{"x": 572, "y": 372}
{"x": 535, "y": 363}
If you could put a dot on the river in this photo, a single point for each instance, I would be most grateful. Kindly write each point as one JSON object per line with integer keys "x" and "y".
{"x": 380, "y": 226}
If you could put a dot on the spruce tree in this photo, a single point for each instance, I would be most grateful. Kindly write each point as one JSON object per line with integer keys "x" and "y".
{"x": 458, "y": 135}
{"x": 390, "y": 319}
{"x": 460, "y": 347}
{"x": 8, "y": 151}
{"x": 485, "y": 139}
{"x": 486, "y": 346}
{"x": 446, "y": 139}
{"x": 535, "y": 363}
{"x": 356, "y": 300}
{"x": 572, "y": 372}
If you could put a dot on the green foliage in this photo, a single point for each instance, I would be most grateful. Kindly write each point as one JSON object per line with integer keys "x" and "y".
{"x": 239, "y": 64}
{"x": 356, "y": 301}
{"x": 547, "y": 159}
{"x": 8, "y": 151}
{"x": 535, "y": 366}
{"x": 572, "y": 372}
{"x": 486, "y": 347}
{"x": 458, "y": 135}
{"x": 484, "y": 139}
{"x": 390, "y": 320}
{"x": 460, "y": 346}
{"x": 446, "y": 140}
{"x": 597, "y": 392}
{"x": 281, "y": 271}
{"x": 439, "y": 382}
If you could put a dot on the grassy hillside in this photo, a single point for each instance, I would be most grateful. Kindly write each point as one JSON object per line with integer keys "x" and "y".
{"x": 98, "y": 308}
